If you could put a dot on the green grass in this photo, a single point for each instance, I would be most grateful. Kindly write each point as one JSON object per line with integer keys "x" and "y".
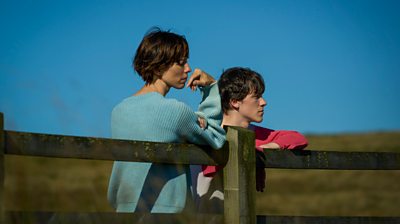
{"x": 45, "y": 184}
{"x": 49, "y": 184}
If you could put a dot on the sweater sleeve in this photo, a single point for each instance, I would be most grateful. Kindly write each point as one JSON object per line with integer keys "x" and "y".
{"x": 209, "y": 109}
{"x": 210, "y": 105}
{"x": 190, "y": 131}
{"x": 285, "y": 139}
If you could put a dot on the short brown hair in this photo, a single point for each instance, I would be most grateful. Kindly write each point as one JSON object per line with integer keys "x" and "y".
{"x": 236, "y": 83}
{"x": 158, "y": 51}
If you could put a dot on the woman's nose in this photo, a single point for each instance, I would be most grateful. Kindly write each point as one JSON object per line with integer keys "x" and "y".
{"x": 187, "y": 67}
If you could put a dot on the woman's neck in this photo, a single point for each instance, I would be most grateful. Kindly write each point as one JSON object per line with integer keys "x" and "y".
{"x": 158, "y": 86}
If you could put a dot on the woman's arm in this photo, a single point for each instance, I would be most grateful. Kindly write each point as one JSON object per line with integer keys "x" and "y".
{"x": 210, "y": 110}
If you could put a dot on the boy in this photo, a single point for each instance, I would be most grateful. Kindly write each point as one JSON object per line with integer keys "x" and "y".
{"x": 241, "y": 92}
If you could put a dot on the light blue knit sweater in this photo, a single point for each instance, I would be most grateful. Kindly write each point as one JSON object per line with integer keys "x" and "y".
{"x": 160, "y": 188}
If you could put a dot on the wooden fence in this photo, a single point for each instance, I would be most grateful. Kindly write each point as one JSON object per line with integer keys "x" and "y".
{"x": 239, "y": 174}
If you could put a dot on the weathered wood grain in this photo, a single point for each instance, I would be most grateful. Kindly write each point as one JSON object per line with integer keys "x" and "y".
{"x": 239, "y": 177}
{"x": 34, "y": 144}
{"x": 308, "y": 159}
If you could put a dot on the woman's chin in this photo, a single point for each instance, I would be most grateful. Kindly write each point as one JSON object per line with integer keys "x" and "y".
{"x": 179, "y": 86}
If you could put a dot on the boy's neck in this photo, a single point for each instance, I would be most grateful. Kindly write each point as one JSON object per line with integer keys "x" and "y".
{"x": 232, "y": 118}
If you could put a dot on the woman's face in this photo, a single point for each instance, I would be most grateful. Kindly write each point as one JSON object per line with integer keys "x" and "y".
{"x": 177, "y": 74}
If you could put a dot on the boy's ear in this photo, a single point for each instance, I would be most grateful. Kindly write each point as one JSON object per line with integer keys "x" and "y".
{"x": 235, "y": 104}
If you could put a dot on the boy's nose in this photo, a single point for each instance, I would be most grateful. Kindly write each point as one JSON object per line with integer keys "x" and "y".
{"x": 263, "y": 102}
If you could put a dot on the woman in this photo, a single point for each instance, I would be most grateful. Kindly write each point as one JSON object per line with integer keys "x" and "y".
{"x": 147, "y": 115}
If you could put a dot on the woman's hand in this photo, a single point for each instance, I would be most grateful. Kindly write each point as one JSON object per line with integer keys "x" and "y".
{"x": 202, "y": 122}
{"x": 199, "y": 78}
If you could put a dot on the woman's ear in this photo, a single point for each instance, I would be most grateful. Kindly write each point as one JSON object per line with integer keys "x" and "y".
{"x": 235, "y": 104}
{"x": 157, "y": 75}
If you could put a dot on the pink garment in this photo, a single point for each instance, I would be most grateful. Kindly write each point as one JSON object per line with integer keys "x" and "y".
{"x": 285, "y": 139}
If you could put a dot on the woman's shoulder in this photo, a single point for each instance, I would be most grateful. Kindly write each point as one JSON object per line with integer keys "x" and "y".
{"x": 176, "y": 106}
{"x": 153, "y": 101}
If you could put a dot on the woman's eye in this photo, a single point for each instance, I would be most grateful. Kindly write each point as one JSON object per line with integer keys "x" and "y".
{"x": 182, "y": 62}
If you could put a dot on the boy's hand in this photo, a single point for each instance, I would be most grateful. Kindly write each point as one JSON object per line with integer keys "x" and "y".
{"x": 270, "y": 145}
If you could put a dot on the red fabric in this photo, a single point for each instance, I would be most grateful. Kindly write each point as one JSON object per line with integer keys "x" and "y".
{"x": 285, "y": 139}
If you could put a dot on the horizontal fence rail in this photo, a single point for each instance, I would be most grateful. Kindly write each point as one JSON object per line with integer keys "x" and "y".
{"x": 307, "y": 159}
{"x": 61, "y": 146}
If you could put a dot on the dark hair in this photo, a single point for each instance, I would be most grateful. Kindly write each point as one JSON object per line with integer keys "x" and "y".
{"x": 158, "y": 51}
{"x": 236, "y": 83}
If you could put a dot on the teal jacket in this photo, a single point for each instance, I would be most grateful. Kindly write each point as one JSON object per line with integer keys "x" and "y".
{"x": 160, "y": 188}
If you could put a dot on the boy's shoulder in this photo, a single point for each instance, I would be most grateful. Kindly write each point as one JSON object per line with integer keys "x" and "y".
{"x": 257, "y": 128}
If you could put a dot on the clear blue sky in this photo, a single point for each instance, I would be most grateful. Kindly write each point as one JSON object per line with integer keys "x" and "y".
{"x": 330, "y": 66}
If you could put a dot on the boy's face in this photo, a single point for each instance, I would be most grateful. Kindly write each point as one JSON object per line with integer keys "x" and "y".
{"x": 252, "y": 108}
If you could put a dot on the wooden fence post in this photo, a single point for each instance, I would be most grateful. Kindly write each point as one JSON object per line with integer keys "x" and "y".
{"x": 2, "y": 149}
{"x": 239, "y": 177}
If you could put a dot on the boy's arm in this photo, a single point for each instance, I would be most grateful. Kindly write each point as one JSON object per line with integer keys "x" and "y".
{"x": 272, "y": 139}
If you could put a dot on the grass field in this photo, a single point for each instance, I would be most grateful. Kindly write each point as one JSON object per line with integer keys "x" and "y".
{"x": 81, "y": 185}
